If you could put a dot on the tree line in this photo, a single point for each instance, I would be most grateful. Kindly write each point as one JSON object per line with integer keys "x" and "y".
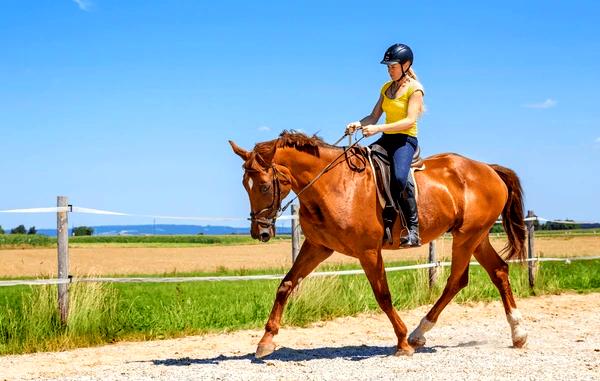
{"x": 545, "y": 226}
{"x": 21, "y": 229}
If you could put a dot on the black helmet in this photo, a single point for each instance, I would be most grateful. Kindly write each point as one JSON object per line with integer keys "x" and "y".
{"x": 397, "y": 53}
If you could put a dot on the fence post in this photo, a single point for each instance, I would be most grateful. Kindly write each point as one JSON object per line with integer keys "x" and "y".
{"x": 62, "y": 232}
{"x": 296, "y": 229}
{"x": 433, "y": 271}
{"x": 531, "y": 265}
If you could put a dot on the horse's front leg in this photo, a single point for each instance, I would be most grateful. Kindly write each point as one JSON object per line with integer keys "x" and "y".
{"x": 372, "y": 262}
{"x": 309, "y": 257}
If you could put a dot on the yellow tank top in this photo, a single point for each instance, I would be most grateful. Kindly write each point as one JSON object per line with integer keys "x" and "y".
{"x": 396, "y": 109}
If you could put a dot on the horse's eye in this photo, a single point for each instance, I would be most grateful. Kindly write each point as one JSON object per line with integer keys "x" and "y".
{"x": 265, "y": 188}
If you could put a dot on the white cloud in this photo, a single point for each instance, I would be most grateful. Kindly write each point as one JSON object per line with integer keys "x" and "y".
{"x": 264, "y": 128}
{"x": 548, "y": 103}
{"x": 84, "y": 5}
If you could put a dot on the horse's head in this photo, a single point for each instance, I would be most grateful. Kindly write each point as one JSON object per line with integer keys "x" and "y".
{"x": 267, "y": 185}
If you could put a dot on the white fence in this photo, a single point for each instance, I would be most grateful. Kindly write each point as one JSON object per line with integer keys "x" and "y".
{"x": 39, "y": 282}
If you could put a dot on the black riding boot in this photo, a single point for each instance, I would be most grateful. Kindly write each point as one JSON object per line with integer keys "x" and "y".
{"x": 408, "y": 203}
{"x": 389, "y": 217}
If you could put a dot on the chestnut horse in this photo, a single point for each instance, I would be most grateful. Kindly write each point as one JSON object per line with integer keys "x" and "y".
{"x": 341, "y": 212}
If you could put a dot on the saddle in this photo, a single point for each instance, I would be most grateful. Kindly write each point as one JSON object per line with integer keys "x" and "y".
{"x": 386, "y": 189}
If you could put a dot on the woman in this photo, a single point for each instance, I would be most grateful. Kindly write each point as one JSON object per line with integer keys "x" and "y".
{"x": 402, "y": 101}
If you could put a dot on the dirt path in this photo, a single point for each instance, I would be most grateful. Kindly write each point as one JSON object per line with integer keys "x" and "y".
{"x": 469, "y": 342}
{"x": 115, "y": 260}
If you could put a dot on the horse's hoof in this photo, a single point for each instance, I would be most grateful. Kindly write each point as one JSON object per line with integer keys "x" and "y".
{"x": 520, "y": 341}
{"x": 404, "y": 352}
{"x": 264, "y": 350}
{"x": 417, "y": 342}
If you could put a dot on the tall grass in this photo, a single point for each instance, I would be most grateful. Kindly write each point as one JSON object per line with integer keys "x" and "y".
{"x": 104, "y": 313}
{"x": 34, "y": 324}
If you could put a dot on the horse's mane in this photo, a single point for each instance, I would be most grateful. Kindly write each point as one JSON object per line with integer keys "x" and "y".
{"x": 264, "y": 152}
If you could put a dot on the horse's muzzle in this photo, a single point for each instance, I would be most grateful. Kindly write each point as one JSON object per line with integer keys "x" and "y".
{"x": 264, "y": 237}
{"x": 262, "y": 232}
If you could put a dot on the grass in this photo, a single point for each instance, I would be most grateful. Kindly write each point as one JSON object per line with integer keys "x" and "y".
{"x": 10, "y": 241}
{"x": 109, "y": 312}
{"x": 30, "y": 321}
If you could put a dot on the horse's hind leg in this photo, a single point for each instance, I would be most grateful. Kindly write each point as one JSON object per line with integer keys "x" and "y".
{"x": 309, "y": 257}
{"x": 498, "y": 272}
{"x": 463, "y": 246}
{"x": 372, "y": 264}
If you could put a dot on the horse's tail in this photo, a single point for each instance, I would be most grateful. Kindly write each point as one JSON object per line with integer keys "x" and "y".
{"x": 512, "y": 214}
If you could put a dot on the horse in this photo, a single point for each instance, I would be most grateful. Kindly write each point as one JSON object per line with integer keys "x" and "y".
{"x": 340, "y": 212}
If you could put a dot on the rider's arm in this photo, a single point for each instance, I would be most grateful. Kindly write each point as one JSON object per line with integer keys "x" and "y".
{"x": 372, "y": 118}
{"x": 415, "y": 105}
{"x": 375, "y": 114}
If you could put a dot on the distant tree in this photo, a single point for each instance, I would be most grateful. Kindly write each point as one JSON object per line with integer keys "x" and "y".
{"x": 32, "y": 230}
{"x": 550, "y": 225}
{"x": 83, "y": 230}
{"x": 1, "y": 230}
{"x": 497, "y": 228}
{"x": 19, "y": 230}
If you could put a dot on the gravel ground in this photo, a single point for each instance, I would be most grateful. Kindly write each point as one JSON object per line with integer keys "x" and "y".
{"x": 469, "y": 342}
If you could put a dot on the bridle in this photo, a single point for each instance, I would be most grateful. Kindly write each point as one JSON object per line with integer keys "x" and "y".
{"x": 267, "y": 216}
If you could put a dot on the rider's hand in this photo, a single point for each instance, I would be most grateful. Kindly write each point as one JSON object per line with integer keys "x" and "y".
{"x": 371, "y": 129}
{"x": 351, "y": 127}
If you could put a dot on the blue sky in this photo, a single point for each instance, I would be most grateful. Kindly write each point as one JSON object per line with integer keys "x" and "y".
{"x": 128, "y": 105}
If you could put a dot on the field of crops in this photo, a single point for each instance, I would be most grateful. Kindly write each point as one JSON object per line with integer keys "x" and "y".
{"x": 10, "y": 241}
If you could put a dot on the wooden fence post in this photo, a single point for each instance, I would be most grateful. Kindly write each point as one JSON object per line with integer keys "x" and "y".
{"x": 62, "y": 231}
{"x": 433, "y": 271}
{"x": 531, "y": 265}
{"x": 296, "y": 229}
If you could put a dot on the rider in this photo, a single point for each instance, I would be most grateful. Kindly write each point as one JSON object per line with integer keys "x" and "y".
{"x": 402, "y": 101}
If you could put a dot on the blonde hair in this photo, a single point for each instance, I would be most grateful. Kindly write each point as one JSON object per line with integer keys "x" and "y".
{"x": 411, "y": 73}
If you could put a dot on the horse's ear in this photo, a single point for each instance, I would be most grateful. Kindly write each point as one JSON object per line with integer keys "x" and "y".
{"x": 245, "y": 155}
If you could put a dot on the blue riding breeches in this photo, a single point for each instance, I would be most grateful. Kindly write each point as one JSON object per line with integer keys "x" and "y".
{"x": 400, "y": 149}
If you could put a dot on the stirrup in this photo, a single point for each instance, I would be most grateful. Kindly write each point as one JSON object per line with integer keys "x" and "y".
{"x": 411, "y": 240}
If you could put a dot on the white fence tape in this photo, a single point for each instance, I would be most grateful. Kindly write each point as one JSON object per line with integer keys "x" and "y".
{"x": 78, "y": 209}
{"x": 54, "y": 209}
{"x": 38, "y": 282}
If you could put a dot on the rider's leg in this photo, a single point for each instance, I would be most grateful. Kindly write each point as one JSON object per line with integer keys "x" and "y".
{"x": 403, "y": 156}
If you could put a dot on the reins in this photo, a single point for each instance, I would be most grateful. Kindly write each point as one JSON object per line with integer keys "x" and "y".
{"x": 282, "y": 209}
{"x": 275, "y": 205}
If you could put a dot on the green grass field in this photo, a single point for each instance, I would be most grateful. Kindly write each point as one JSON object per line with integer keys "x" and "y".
{"x": 103, "y": 313}
{"x": 9, "y": 241}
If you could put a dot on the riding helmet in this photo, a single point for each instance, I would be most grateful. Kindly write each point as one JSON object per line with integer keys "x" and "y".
{"x": 397, "y": 53}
